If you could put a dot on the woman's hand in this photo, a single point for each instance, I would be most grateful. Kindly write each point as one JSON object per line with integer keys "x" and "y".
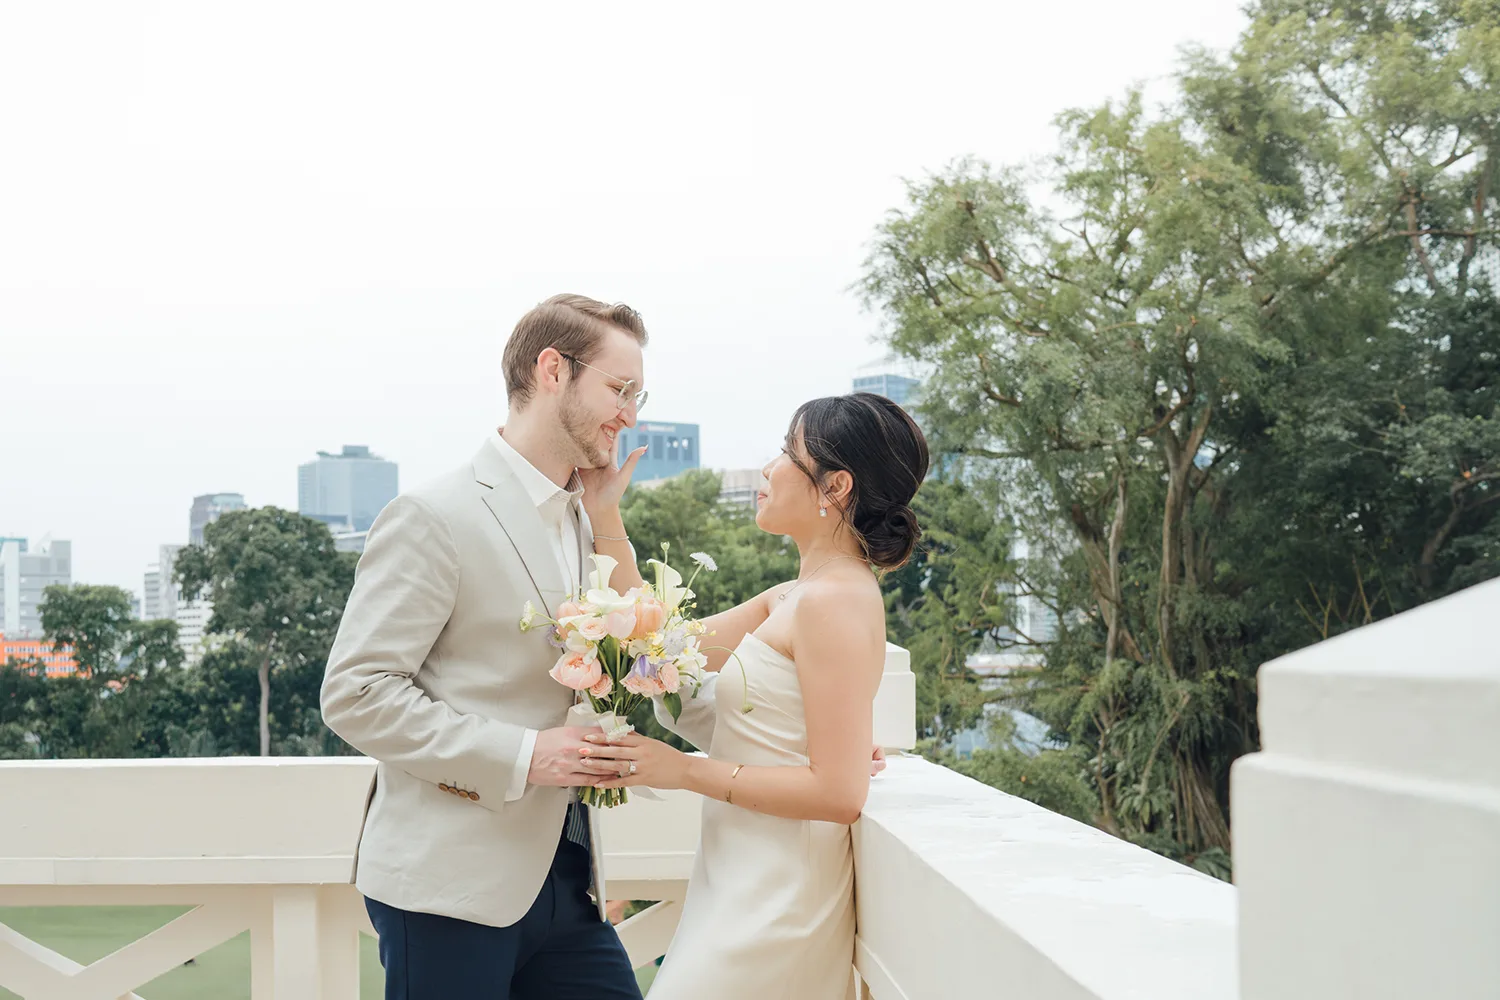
{"x": 603, "y": 487}
{"x": 657, "y": 765}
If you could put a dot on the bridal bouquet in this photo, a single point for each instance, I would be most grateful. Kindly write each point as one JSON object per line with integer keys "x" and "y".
{"x": 620, "y": 650}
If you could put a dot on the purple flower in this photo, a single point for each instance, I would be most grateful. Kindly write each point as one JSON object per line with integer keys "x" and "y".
{"x": 555, "y": 639}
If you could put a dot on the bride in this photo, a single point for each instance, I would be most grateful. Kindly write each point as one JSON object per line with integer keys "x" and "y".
{"x": 770, "y": 908}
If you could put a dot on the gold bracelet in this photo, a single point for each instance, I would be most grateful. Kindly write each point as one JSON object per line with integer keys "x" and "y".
{"x": 732, "y": 774}
{"x": 612, "y": 538}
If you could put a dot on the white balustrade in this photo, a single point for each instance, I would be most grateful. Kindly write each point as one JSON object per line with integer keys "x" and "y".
{"x": 1367, "y": 831}
{"x": 1365, "y": 854}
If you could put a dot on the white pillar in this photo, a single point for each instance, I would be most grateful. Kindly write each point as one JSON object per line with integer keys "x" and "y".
{"x": 896, "y": 702}
{"x": 1367, "y": 832}
{"x": 297, "y": 944}
{"x": 340, "y": 908}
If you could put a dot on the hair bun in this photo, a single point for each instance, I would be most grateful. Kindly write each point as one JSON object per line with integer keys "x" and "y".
{"x": 893, "y": 536}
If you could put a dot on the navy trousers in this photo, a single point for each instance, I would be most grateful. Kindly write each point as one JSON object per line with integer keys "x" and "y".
{"x": 560, "y": 950}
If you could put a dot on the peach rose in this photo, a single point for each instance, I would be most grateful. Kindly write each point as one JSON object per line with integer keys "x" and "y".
{"x": 567, "y": 609}
{"x": 593, "y": 629}
{"x": 650, "y": 615}
{"x": 620, "y": 624}
{"x": 643, "y": 685}
{"x": 579, "y": 671}
{"x": 603, "y": 688}
{"x": 668, "y": 677}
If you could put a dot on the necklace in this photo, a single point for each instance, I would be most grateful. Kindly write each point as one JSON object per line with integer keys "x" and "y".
{"x": 809, "y": 576}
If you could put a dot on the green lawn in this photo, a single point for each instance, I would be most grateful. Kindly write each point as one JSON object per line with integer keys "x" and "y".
{"x": 88, "y": 933}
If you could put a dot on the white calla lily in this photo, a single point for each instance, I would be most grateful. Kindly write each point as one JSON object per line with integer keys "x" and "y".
{"x": 600, "y": 595}
{"x": 669, "y": 588}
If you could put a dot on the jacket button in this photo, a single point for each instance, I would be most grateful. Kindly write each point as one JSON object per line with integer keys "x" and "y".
{"x": 444, "y": 787}
{"x": 473, "y": 796}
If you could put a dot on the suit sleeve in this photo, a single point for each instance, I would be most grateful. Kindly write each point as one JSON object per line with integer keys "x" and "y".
{"x": 404, "y": 591}
{"x": 696, "y": 723}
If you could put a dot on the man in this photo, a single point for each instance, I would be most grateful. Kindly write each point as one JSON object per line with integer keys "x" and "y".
{"x": 479, "y": 867}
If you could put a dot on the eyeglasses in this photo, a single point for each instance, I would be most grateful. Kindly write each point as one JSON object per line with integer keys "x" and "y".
{"x": 624, "y": 396}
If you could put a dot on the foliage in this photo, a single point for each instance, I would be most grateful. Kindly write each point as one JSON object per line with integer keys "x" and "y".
{"x": 948, "y": 598}
{"x": 1056, "y": 779}
{"x": 1245, "y": 367}
{"x": 278, "y": 587}
{"x": 686, "y": 512}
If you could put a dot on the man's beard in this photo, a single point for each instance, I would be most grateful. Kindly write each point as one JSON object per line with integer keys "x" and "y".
{"x": 582, "y": 435}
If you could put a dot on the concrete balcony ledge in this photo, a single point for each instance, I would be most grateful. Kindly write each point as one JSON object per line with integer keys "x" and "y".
{"x": 965, "y": 891}
{"x": 958, "y": 883}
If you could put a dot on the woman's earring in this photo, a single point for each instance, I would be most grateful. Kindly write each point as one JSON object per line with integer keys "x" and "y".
{"x": 822, "y": 510}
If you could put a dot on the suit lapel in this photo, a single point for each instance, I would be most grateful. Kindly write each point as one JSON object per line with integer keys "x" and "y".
{"x": 518, "y": 518}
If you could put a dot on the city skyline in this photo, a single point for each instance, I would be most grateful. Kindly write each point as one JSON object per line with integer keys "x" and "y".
{"x": 271, "y": 283}
{"x": 208, "y": 506}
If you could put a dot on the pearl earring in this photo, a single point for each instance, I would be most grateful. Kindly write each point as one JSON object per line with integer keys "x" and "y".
{"x": 822, "y": 510}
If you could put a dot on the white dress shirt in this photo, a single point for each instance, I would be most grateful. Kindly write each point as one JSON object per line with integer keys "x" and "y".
{"x": 559, "y": 510}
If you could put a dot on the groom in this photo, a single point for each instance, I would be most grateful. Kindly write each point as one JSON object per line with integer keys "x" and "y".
{"x": 480, "y": 870}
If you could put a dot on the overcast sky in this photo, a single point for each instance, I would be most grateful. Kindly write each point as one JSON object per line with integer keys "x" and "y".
{"x": 233, "y": 235}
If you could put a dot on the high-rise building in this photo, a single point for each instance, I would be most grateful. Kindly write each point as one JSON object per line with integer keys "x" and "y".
{"x": 740, "y": 486}
{"x": 192, "y": 628}
{"x": 158, "y": 590}
{"x": 25, "y": 574}
{"x": 161, "y": 597}
{"x": 353, "y": 486}
{"x": 670, "y": 449}
{"x": 891, "y": 377}
{"x": 207, "y": 508}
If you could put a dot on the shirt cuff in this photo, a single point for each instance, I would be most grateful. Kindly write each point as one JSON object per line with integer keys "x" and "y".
{"x": 523, "y": 766}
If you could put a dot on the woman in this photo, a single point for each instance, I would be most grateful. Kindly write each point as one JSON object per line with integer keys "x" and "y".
{"x": 770, "y": 907}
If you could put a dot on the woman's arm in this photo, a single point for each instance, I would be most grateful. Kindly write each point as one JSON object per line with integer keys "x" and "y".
{"x": 839, "y": 658}
{"x": 727, "y": 628}
{"x": 608, "y": 523}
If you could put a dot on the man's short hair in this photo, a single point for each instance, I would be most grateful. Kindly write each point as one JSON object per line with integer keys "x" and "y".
{"x": 573, "y": 324}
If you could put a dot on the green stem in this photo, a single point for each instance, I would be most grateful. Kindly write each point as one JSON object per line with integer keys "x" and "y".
{"x": 745, "y": 705}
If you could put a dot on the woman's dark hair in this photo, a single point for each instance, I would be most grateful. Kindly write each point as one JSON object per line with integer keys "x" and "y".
{"x": 883, "y": 450}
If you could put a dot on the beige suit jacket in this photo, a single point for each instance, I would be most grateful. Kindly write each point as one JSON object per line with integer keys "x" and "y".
{"x": 431, "y": 676}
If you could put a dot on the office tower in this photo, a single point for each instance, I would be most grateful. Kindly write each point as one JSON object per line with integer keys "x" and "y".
{"x": 348, "y": 488}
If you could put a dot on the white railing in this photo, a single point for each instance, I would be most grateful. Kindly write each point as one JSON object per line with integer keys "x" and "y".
{"x": 1367, "y": 831}
{"x": 1365, "y": 842}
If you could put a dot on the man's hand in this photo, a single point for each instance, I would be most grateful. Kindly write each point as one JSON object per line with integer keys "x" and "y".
{"x": 555, "y": 759}
{"x": 877, "y": 762}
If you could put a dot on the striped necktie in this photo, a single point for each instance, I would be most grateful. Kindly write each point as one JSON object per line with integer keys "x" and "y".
{"x": 576, "y": 823}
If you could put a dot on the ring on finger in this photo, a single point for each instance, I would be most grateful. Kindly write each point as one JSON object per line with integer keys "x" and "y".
{"x": 632, "y": 767}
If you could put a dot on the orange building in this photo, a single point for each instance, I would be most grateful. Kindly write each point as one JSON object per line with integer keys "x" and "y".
{"x": 58, "y": 662}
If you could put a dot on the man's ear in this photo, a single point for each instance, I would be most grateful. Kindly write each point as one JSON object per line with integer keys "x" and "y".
{"x": 551, "y": 370}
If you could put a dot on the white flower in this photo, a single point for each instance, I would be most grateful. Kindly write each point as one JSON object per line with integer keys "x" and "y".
{"x": 637, "y": 647}
{"x": 705, "y": 560}
{"x": 669, "y": 590}
{"x": 528, "y": 616}
{"x": 691, "y": 660}
{"x": 615, "y": 726}
{"x": 673, "y": 642}
{"x": 604, "y": 567}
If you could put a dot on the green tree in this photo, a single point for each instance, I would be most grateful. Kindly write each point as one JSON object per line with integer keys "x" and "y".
{"x": 278, "y": 587}
{"x": 950, "y": 597}
{"x": 685, "y": 511}
{"x": 1243, "y": 369}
